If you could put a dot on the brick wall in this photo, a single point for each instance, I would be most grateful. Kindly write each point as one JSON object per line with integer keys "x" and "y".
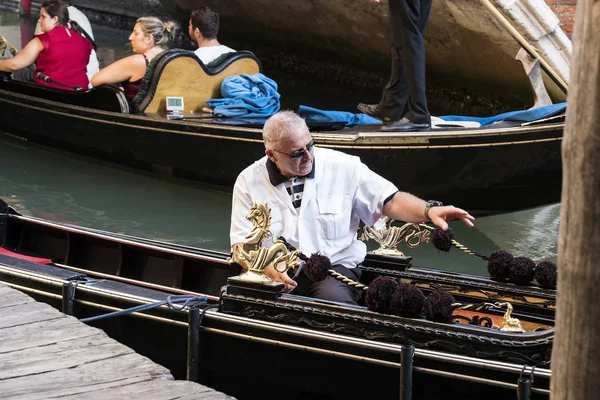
{"x": 565, "y": 11}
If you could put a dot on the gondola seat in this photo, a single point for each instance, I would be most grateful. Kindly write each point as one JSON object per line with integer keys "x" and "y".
{"x": 181, "y": 73}
{"x": 104, "y": 97}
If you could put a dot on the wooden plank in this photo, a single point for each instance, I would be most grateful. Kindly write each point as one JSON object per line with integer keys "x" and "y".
{"x": 22, "y": 314}
{"x": 67, "y": 354}
{"x": 180, "y": 390}
{"x": 43, "y": 333}
{"x": 45, "y": 354}
{"x": 84, "y": 378}
{"x": 11, "y": 297}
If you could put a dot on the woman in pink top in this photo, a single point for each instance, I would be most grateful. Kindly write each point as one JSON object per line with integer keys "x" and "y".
{"x": 149, "y": 38}
{"x": 61, "y": 53}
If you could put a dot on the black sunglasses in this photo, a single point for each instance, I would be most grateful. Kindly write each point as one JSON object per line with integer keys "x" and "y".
{"x": 298, "y": 154}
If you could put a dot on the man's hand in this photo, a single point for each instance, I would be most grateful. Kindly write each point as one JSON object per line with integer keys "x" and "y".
{"x": 440, "y": 215}
{"x": 290, "y": 284}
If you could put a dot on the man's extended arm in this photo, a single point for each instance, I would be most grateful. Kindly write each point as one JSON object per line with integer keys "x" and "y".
{"x": 409, "y": 208}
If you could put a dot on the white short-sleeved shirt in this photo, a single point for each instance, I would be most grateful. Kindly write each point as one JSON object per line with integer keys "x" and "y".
{"x": 342, "y": 192}
{"x": 209, "y": 53}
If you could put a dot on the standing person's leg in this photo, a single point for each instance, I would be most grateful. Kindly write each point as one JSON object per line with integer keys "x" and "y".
{"x": 413, "y": 16}
{"x": 395, "y": 94}
{"x": 423, "y": 18}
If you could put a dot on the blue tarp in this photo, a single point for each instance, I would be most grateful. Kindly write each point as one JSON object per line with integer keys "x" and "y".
{"x": 520, "y": 116}
{"x": 351, "y": 119}
{"x": 246, "y": 96}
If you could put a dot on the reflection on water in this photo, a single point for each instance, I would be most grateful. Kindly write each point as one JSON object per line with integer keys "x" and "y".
{"x": 50, "y": 185}
{"x": 531, "y": 232}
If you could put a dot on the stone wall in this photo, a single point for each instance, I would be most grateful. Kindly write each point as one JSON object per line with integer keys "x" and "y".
{"x": 565, "y": 11}
{"x": 115, "y": 13}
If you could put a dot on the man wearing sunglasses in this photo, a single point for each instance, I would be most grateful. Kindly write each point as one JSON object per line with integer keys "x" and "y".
{"x": 318, "y": 197}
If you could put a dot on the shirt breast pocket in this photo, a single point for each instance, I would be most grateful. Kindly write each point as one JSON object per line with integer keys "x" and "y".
{"x": 334, "y": 215}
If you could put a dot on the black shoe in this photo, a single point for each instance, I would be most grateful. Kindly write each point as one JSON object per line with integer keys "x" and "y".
{"x": 372, "y": 110}
{"x": 405, "y": 126}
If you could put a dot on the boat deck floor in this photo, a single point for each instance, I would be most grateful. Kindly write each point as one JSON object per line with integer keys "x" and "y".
{"x": 47, "y": 354}
{"x": 339, "y": 127}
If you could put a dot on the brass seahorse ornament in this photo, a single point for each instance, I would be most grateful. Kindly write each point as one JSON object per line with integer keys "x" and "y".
{"x": 389, "y": 236}
{"x": 251, "y": 253}
{"x": 510, "y": 324}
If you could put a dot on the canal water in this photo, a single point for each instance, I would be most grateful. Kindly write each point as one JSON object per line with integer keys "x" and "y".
{"x": 66, "y": 188}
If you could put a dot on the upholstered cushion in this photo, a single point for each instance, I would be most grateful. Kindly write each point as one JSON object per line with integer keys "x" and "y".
{"x": 181, "y": 73}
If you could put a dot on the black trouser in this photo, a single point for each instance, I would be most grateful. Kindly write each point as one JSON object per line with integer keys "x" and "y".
{"x": 26, "y": 74}
{"x": 330, "y": 288}
{"x": 405, "y": 91}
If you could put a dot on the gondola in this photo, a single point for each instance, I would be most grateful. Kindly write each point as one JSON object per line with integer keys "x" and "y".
{"x": 253, "y": 328}
{"x": 504, "y": 166}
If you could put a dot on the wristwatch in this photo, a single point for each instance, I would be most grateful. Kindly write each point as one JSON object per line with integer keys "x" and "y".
{"x": 429, "y": 204}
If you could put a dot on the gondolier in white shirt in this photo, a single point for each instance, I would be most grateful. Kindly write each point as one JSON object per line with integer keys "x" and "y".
{"x": 317, "y": 198}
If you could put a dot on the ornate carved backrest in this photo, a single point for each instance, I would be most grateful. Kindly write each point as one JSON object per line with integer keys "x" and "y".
{"x": 180, "y": 73}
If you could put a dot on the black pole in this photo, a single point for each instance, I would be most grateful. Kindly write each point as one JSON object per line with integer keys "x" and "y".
{"x": 47, "y": 79}
{"x": 193, "y": 352}
{"x": 406, "y": 371}
{"x": 68, "y": 294}
{"x": 524, "y": 388}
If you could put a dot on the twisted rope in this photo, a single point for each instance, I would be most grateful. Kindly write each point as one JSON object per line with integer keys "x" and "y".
{"x": 477, "y": 306}
{"x": 459, "y": 245}
{"x": 346, "y": 280}
{"x": 471, "y": 307}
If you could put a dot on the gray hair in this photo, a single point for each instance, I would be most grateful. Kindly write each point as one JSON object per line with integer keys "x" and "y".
{"x": 281, "y": 126}
{"x": 161, "y": 32}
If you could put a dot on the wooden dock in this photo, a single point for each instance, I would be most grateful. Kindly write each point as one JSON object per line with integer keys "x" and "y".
{"x": 45, "y": 354}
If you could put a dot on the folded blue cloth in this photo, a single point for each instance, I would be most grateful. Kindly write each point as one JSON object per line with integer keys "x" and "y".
{"x": 520, "y": 116}
{"x": 246, "y": 96}
{"x": 350, "y": 119}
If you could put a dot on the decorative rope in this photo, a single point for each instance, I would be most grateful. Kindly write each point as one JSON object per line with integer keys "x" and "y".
{"x": 459, "y": 245}
{"x": 347, "y": 280}
{"x": 472, "y": 307}
{"x": 477, "y": 306}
